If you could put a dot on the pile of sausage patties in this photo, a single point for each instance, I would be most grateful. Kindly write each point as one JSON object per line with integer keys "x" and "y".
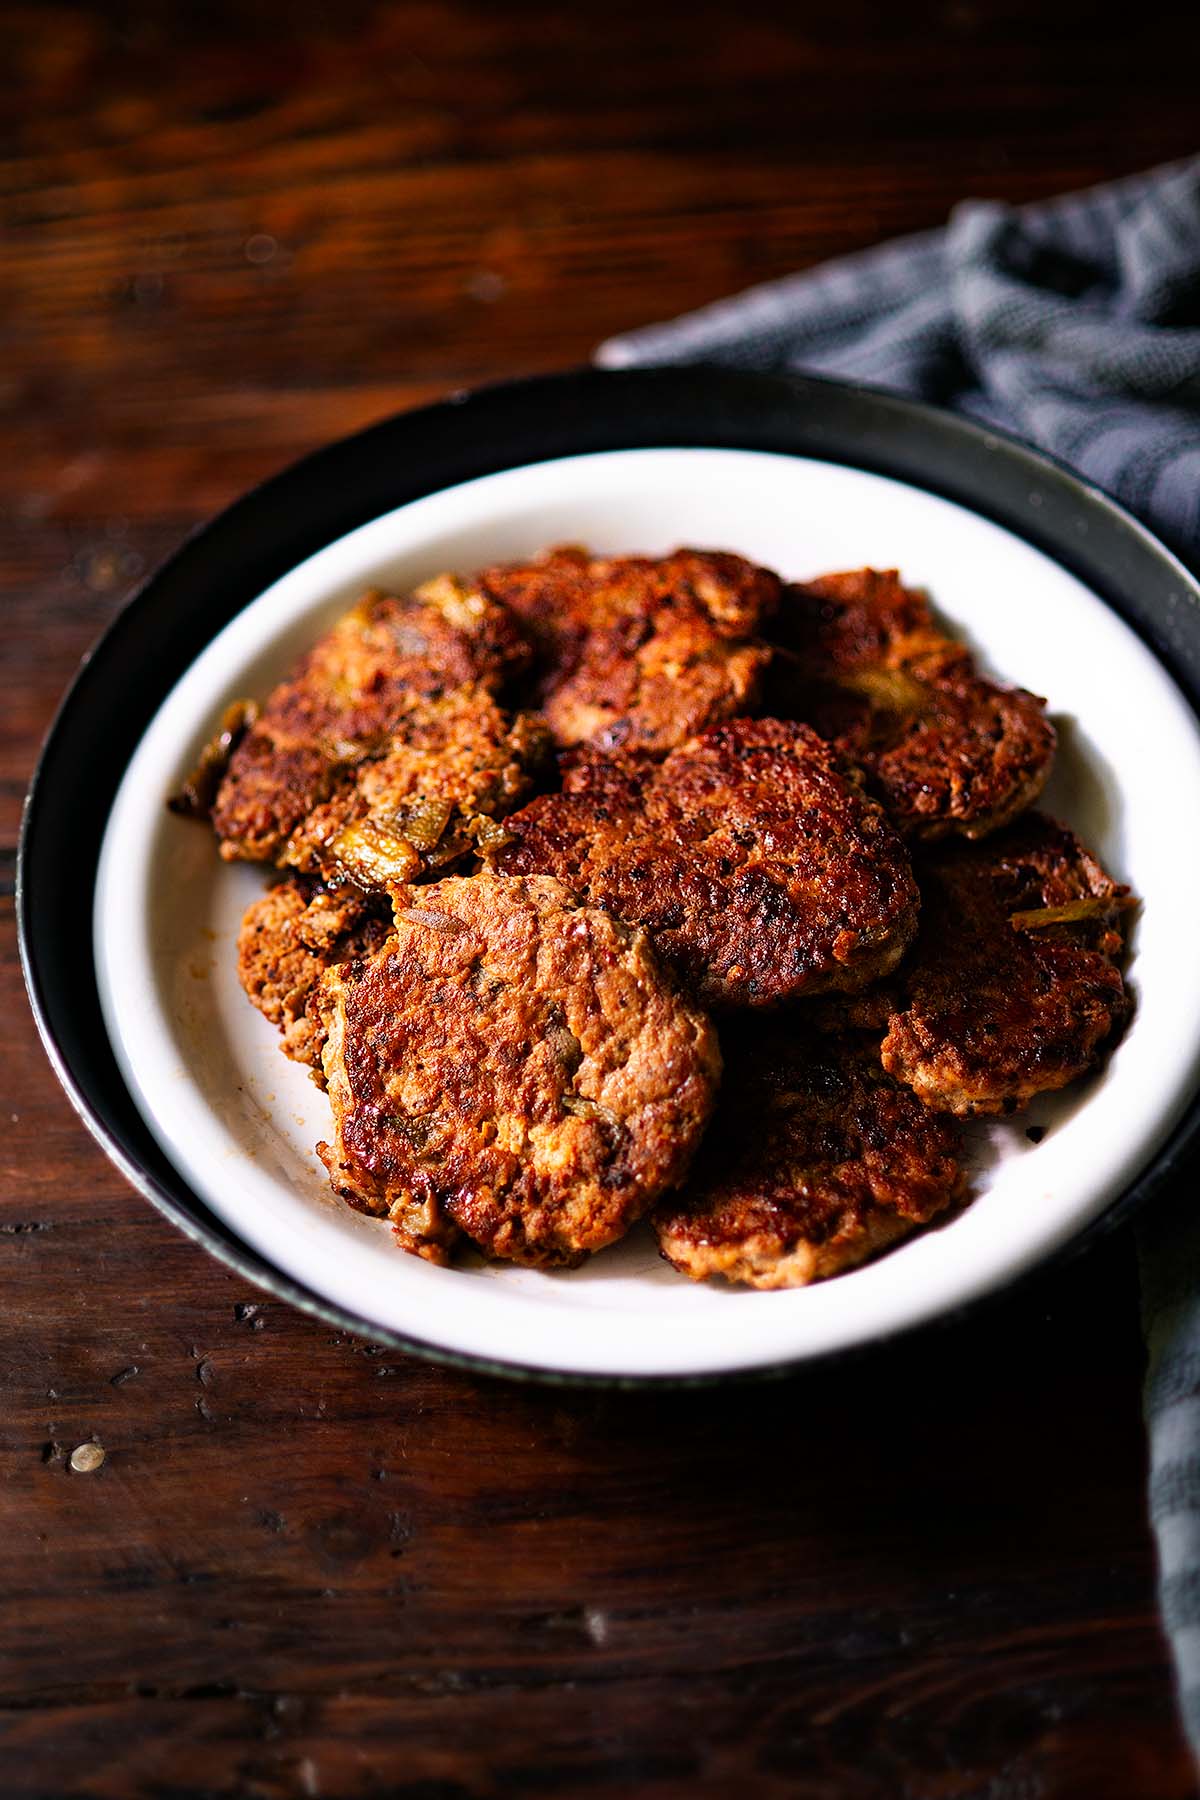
{"x": 624, "y": 888}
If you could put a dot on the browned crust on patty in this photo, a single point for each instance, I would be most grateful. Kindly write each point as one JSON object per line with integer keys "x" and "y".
{"x": 640, "y": 653}
{"x": 430, "y": 801}
{"x": 945, "y": 749}
{"x": 514, "y": 1064}
{"x": 288, "y": 938}
{"x": 763, "y": 871}
{"x": 1002, "y": 998}
{"x": 815, "y": 1159}
{"x": 383, "y": 677}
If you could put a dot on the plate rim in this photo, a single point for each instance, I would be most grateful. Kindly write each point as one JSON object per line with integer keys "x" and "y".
{"x": 790, "y": 415}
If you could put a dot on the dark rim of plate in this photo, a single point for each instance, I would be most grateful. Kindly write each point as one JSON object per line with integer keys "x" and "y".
{"x": 223, "y": 567}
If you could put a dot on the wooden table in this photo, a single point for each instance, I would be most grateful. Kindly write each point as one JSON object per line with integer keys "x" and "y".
{"x": 309, "y": 1565}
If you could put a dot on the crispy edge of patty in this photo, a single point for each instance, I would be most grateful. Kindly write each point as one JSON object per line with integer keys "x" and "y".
{"x": 378, "y": 676}
{"x": 947, "y": 749}
{"x": 752, "y": 854}
{"x": 639, "y": 652}
{"x": 816, "y": 1159}
{"x": 516, "y": 1063}
{"x": 289, "y": 936}
{"x": 1003, "y": 998}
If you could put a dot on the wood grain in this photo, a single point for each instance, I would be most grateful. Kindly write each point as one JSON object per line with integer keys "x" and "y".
{"x": 308, "y": 1565}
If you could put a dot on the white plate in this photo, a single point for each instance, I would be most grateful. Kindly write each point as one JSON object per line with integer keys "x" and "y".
{"x": 239, "y": 1122}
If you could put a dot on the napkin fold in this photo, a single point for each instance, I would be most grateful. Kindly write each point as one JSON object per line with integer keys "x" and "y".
{"x": 1075, "y": 323}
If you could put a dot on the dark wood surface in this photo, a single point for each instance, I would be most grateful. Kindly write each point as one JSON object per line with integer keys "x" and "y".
{"x": 309, "y": 1566}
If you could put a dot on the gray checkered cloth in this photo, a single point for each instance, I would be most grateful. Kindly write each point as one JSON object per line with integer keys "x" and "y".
{"x": 1076, "y": 324}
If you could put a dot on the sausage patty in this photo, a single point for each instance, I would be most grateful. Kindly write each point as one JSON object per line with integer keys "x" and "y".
{"x": 430, "y": 801}
{"x": 763, "y": 870}
{"x": 816, "y": 1159}
{"x": 638, "y": 653}
{"x": 1013, "y": 987}
{"x": 945, "y": 749}
{"x": 393, "y": 673}
{"x": 515, "y": 1065}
